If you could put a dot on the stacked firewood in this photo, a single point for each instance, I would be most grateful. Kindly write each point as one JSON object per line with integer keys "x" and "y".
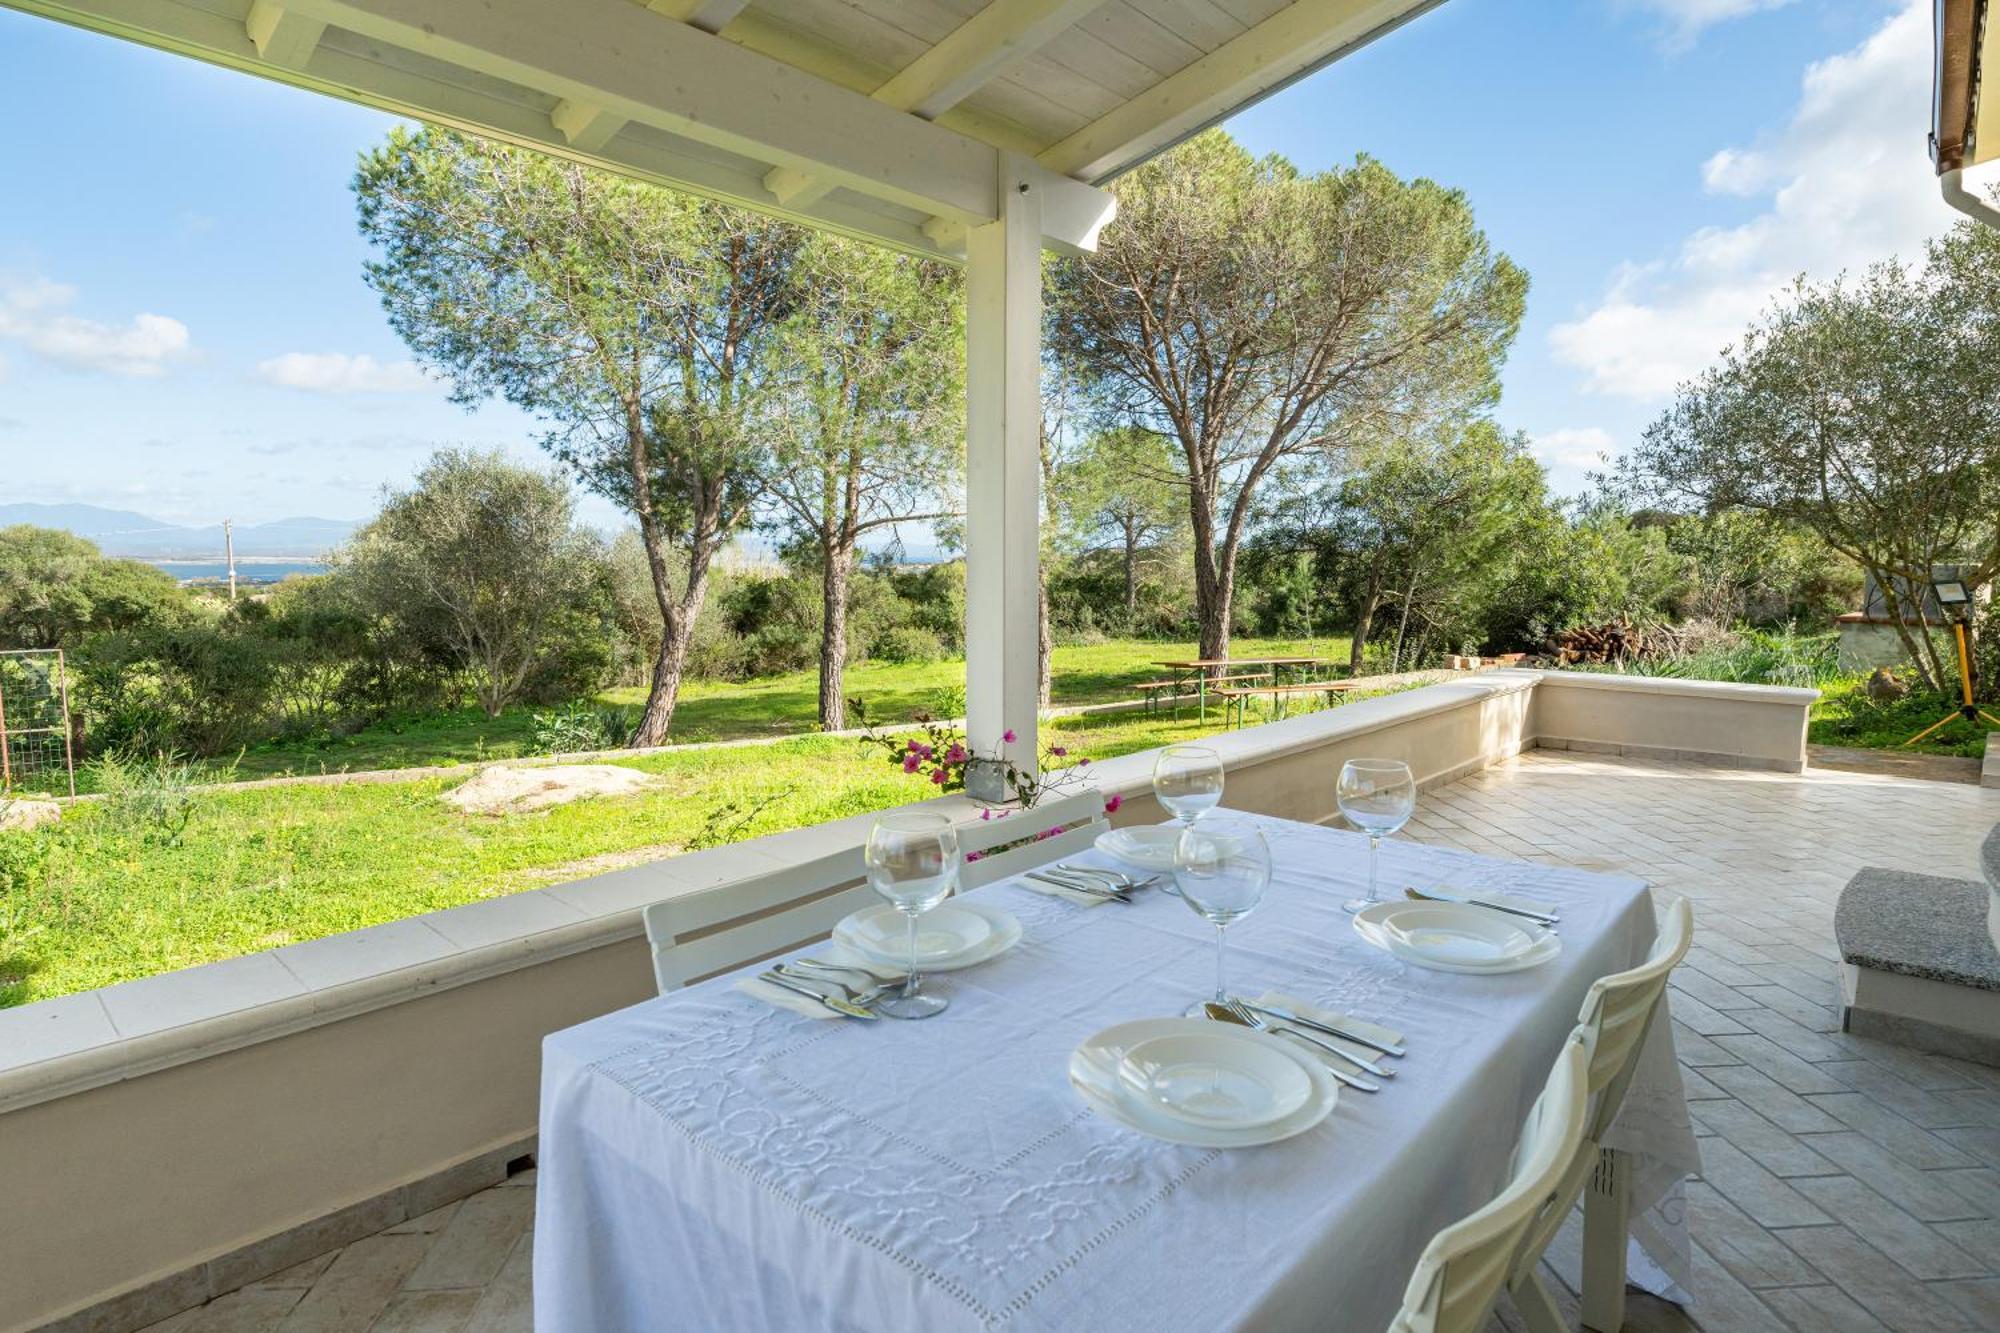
{"x": 1613, "y": 642}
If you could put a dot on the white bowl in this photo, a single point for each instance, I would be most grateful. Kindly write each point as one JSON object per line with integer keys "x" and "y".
{"x": 1214, "y": 1078}
{"x": 1148, "y": 847}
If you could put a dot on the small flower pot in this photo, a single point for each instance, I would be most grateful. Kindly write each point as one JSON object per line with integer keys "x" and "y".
{"x": 986, "y": 780}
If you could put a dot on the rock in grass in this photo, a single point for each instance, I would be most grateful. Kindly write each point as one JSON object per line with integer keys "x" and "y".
{"x": 504, "y": 790}
{"x": 27, "y": 814}
{"x": 1884, "y": 687}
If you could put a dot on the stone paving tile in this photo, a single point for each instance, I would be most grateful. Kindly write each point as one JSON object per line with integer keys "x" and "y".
{"x": 1850, "y": 1184}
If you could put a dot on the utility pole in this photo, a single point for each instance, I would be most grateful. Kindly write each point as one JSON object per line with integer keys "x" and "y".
{"x": 229, "y": 550}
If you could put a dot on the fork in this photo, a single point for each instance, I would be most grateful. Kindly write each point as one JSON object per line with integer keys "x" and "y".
{"x": 1236, "y": 1013}
{"x": 1088, "y": 888}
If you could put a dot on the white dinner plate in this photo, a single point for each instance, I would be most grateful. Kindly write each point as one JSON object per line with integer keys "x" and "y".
{"x": 1369, "y": 924}
{"x": 1148, "y": 847}
{"x": 1456, "y": 934}
{"x": 1093, "y": 1072}
{"x": 1209, "y": 1077}
{"x": 878, "y": 932}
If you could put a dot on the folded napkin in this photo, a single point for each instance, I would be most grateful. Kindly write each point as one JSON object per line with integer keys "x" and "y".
{"x": 1334, "y": 1018}
{"x": 1058, "y": 891}
{"x": 839, "y": 955}
{"x": 1473, "y": 894}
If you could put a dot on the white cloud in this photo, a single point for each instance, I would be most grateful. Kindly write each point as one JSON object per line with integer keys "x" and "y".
{"x": 34, "y": 312}
{"x": 1685, "y": 20}
{"x": 1846, "y": 182}
{"x": 337, "y": 372}
{"x": 1574, "y": 446}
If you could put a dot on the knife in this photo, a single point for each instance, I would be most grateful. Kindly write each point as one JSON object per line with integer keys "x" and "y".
{"x": 1432, "y": 895}
{"x": 1331, "y": 1030}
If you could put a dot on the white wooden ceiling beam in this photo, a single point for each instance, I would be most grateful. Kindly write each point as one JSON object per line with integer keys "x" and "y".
{"x": 1258, "y": 61}
{"x": 970, "y": 56}
{"x": 281, "y": 35}
{"x": 708, "y": 15}
{"x": 584, "y": 127}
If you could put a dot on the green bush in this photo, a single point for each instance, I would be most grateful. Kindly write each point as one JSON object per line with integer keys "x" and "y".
{"x": 24, "y": 861}
{"x": 907, "y": 643}
{"x": 580, "y": 727}
{"x": 150, "y": 801}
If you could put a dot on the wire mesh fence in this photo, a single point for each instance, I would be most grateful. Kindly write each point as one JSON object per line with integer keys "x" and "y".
{"x": 36, "y": 753}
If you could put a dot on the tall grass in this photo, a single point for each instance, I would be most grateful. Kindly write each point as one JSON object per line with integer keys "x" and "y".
{"x": 1756, "y": 657}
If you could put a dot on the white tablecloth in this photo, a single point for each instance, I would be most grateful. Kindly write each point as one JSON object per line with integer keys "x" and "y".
{"x": 709, "y": 1162}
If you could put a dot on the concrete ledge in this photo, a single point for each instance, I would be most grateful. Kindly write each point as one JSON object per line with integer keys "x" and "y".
{"x": 1989, "y": 767}
{"x": 1919, "y": 968}
{"x": 1748, "y": 726}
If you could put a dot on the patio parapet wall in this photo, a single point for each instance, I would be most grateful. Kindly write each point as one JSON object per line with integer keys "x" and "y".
{"x": 173, "y": 1137}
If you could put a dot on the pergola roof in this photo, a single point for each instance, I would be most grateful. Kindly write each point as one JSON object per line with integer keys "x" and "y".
{"x": 887, "y": 119}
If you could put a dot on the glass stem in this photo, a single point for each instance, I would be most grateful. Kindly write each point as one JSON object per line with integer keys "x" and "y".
{"x": 910, "y": 982}
{"x": 1221, "y": 989}
{"x": 1374, "y": 855}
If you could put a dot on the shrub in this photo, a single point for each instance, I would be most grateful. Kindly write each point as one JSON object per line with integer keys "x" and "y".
{"x": 581, "y": 726}
{"x": 24, "y": 859}
{"x": 907, "y": 643}
{"x": 152, "y": 800}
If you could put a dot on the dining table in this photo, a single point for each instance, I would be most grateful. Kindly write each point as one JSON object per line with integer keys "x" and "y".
{"x": 710, "y": 1161}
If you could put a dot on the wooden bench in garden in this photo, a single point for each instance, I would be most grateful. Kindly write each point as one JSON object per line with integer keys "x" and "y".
{"x": 1172, "y": 688}
{"x": 1237, "y": 698}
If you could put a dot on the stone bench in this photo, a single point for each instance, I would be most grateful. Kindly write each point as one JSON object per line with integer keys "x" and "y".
{"x": 1919, "y": 966}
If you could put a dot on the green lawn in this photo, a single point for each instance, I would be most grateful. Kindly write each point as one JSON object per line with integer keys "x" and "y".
{"x": 259, "y": 868}
{"x": 738, "y": 710}
{"x": 1845, "y": 715}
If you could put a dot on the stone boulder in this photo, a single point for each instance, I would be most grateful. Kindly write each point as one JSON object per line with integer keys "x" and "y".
{"x": 1883, "y": 686}
{"x": 24, "y": 814}
{"x": 504, "y": 790}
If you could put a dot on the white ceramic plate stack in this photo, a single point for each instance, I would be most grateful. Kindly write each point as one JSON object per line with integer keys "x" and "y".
{"x": 959, "y": 933}
{"x": 1455, "y": 937}
{"x": 1208, "y": 1085}
{"x": 1150, "y": 847}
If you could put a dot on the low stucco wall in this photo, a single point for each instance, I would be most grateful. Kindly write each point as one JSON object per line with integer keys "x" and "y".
{"x": 246, "y": 1140}
{"x": 1757, "y": 726}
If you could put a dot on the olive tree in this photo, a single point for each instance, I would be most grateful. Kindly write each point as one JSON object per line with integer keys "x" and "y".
{"x": 637, "y": 323}
{"x": 489, "y": 556}
{"x": 1866, "y": 410}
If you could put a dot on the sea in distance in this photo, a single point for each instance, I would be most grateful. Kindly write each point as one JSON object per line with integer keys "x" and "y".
{"x": 247, "y": 571}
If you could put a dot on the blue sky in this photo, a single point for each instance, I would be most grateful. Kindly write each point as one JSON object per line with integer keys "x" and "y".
{"x": 184, "y": 330}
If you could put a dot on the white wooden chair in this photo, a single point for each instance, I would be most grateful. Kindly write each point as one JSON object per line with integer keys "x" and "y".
{"x": 1617, "y": 1013}
{"x": 1462, "y": 1269}
{"x": 1084, "y": 810}
{"x": 701, "y": 934}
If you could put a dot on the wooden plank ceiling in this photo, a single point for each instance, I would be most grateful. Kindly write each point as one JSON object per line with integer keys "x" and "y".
{"x": 885, "y": 119}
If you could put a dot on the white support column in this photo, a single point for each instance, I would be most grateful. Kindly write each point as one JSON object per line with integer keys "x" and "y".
{"x": 1003, "y": 424}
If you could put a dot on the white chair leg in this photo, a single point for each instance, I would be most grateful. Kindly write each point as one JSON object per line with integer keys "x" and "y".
{"x": 1536, "y": 1305}
{"x": 1607, "y": 1211}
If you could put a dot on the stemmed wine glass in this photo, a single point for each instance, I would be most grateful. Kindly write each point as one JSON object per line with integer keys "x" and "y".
{"x": 1378, "y": 796}
{"x": 1187, "y": 779}
{"x": 1222, "y": 865}
{"x": 912, "y": 860}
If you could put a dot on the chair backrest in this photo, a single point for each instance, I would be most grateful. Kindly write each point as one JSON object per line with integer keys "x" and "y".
{"x": 1460, "y": 1271}
{"x": 1618, "y": 1011}
{"x": 1085, "y": 811}
{"x": 700, "y": 934}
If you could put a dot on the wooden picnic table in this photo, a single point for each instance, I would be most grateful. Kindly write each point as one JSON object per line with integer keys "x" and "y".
{"x": 1236, "y": 698}
{"x": 1200, "y": 667}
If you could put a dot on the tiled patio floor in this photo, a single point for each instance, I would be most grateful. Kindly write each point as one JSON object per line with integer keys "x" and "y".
{"x": 1850, "y": 1184}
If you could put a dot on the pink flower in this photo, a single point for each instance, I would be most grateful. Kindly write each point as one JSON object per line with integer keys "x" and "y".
{"x": 1007, "y": 736}
{"x": 937, "y": 777}
{"x": 1112, "y": 802}
{"x": 1046, "y": 834}
{"x": 974, "y": 856}
{"x": 1081, "y": 763}
{"x": 914, "y": 745}
{"x": 909, "y": 763}
{"x": 984, "y": 815}
{"x": 1058, "y": 751}
{"x": 925, "y": 752}
{"x": 956, "y": 754}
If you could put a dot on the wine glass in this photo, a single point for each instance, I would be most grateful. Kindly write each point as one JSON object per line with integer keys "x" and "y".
{"x": 1187, "y": 779}
{"x": 1222, "y": 866}
{"x": 912, "y": 860}
{"x": 1378, "y": 796}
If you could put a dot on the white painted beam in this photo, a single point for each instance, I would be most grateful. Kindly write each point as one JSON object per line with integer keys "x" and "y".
{"x": 584, "y": 127}
{"x": 970, "y": 56}
{"x": 281, "y": 35}
{"x": 708, "y": 15}
{"x": 1295, "y": 40}
{"x": 1003, "y": 424}
{"x": 977, "y": 51}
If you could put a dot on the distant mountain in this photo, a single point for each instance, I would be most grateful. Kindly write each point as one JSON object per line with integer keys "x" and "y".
{"x": 120, "y": 532}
